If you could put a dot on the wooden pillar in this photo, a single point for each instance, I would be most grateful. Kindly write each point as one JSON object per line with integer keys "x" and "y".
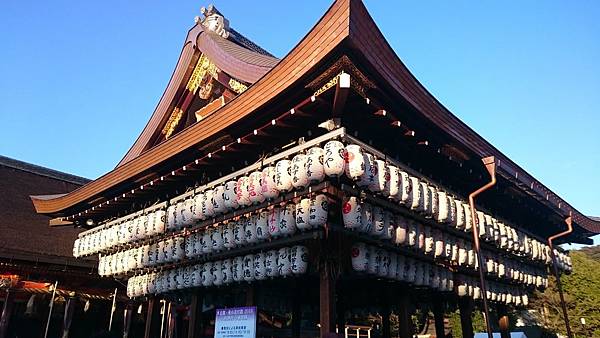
{"x": 327, "y": 302}
{"x": 405, "y": 326}
{"x": 340, "y": 308}
{"x": 438, "y": 315}
{"x": 6, "y": 312}
{"x": 153, "y": 318}
{"x": 127, "y": 317}
{"x": 385, "y": 322}
{"x": 466, "y": 312}
{"x": 68, "y": 316}
{"x": 196, "y": 329}
{"x": 296, "y": 310}
{"x": 250, "y": 295}
{"x": 503, "y": 322}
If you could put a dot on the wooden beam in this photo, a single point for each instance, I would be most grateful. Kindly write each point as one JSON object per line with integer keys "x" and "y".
{"x": 466, "y": 312}
{"x": 195, "y": 328}
{"x": 341, "y": 94}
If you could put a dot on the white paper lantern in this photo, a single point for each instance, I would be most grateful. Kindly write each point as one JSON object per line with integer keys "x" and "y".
{"x": 161, "y": 252}
{"x": 187, "y": 276}
{"x": 379, "y": 174}
{"x": 227, "y": 271}
{"x": 268, "y": 184}
{"x": 443, "y": 211}
{"x": 404, "y": 189}
{"x": 352, "y": 213}
{"x": 217, "y": 273}
{"x": 242, "y": 192}
{"x": 229, "y": 235}
{"x": 299, "y": 259}
{"x": 393, "y": 268}
{"x": 438, "y": 237}
{"x": 412, "y": 235}
{"x": 206, "y": 241}
{"x": 239, "y": 233}
{"x": 230, "y": 195}
{"x": 249, "y": 268}
{"x": 299, "y": 176}
{"x": 255, "y": 187}
{"x": 249, "y": 230}
{"x": 410, "y": 270}
{"x": 429, "y": 241}
{"x": 374, "y": 260}
{"x": 273, "y": 221}
{"x": 360, "y": 257}
{"x": 216, "y": 238}
{"x": 259, "y": 266}
{"x": 334, "y": 158}
{"x": 302, "y": 214}
{"x": 468, "y": 219}
{"x": 283, "y": 175}
{"x": 384, "y": 264}
{"x": 190, "y": 241}
{"x": 178, "y": 248}
{"x": 459, "y": 221}
{"x": 318, "y": 211}
{"x": 153, "y": 254}
{"x": 378, "y": 222}
{"x": 196, "y": 277}
{"x": 262, "y": 227}
{"x": 400, "y": 235}
{"x": 283, "y": 262}
{"x": 219, "y": 206}
{"x": 271, "y": 269}
{"x": 354, "y": 162}
{"x": 187, "y": 212}
{"x": 207, "y": 276}
{"x": 208, "y": 204}
{"x": 369, "y": 175}
{"x": 314, "y": 164}
{"x": 416, "y": 191}
{"x": 238, "y": 269}
{"x": 391, "y": 182}
{"x": 389, "y": 225}
{"x": 287, "y": 220}
{"x": 172, "y": 216}
{"x": 366, "y": 218}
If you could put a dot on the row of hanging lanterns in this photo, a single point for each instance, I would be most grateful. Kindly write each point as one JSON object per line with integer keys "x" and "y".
{"x": 467, "y": 286}
{"x": 375, "y": 221}
{"x": 283, "y": 262}
{"x": 307, "y": 167}
{"x": 390, "y": 182}
{"x": 256, "y": 227}
{"x": 382, "y": 263}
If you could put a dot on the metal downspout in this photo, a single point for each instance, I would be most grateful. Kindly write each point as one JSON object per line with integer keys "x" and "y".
{"x": 490, "y": 165}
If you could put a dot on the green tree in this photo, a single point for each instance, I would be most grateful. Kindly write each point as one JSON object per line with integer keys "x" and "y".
{"x": 582, "y": 296}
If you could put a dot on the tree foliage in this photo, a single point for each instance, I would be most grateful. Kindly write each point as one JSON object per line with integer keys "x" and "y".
{"x": 582, "y": 296}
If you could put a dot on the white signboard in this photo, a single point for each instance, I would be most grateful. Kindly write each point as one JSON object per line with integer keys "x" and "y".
{"x": 239, "y": 322}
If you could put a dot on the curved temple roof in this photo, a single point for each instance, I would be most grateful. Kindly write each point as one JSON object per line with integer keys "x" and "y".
{"x": 346, "y": 25}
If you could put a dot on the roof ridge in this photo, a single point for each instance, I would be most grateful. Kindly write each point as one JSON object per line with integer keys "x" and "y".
{"x": 42, "y": 171}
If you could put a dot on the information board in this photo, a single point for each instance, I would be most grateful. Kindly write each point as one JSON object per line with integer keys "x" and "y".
{"x": 239, "y": 322}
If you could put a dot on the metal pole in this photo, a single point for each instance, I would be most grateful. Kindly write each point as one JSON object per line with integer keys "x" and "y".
{"x": 490, "y": 165}
{"x": 569, "y": 222}
{"x": 51, "y": 306}
{"x": 112, "y": 310}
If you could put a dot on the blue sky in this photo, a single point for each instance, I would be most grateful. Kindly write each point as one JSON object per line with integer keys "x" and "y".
{"x": 80, "y": 79}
